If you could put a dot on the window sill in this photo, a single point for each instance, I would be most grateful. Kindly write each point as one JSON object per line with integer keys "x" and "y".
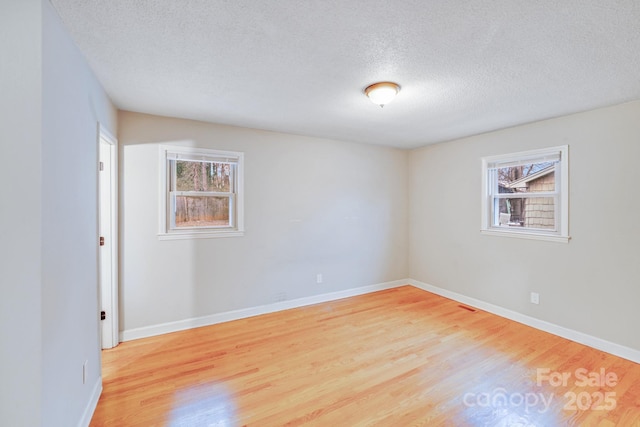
{"x": 526, "y": 235}
{"x": 182, "y": 235}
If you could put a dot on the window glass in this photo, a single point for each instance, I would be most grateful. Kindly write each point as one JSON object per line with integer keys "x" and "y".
{"x": 203, "y": 193}
{"x": 527, "y": 193}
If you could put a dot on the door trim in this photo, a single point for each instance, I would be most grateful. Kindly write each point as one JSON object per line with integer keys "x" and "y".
{"x": 104, "y": 136}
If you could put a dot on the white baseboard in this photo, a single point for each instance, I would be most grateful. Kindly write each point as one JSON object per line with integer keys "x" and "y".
{"x": 181, "y": 325}
{"x": 91, "y": 406}
{"x": 573, "y": 335}
{"x": 570, "y": 334}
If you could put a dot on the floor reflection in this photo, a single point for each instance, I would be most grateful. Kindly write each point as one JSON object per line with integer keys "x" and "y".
{"x": 206, "y": 405}
{"x": 510, "y": 398}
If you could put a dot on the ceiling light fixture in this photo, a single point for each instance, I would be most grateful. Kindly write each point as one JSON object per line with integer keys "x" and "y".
{"x": 382, "y": 93}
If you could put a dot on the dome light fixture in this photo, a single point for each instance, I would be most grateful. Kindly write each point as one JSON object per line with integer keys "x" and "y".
{"x": 382, "y": 93}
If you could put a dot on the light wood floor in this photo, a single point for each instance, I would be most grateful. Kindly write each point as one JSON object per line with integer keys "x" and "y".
{"x": 392, "y": 358}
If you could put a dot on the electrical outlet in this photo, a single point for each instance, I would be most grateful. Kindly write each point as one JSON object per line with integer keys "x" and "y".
{"x": 319, "y": 278}
{"x": 535, "y": 298}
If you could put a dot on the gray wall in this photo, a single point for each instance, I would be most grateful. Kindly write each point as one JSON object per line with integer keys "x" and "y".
{"x": 73, "y": 103}
{"x": 311, "y": 206}
{"x": 51, "y": 105}
{"x": 20, "y": 230}
{"x": 590, "y": 284}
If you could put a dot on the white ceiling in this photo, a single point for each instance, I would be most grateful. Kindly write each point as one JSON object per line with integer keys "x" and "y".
{"x": 300, "y": 66}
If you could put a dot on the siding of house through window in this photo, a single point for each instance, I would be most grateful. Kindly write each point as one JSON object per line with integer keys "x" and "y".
{"x": 526, "y": 194}
{"x": 539, "y": 212}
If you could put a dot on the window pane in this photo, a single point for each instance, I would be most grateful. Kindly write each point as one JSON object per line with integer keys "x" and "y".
{"x": 204, "y": 176}
{"x": 528, "y": 178}
{"x": 202, "y": 211}
{"x": 528, "y": 212}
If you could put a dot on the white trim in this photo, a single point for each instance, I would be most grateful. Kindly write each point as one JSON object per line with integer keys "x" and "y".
{"x": 104, "y": 134}
{"x": 485, "y": 199}
{"x": 564, "y": 191}
{"x": 92, "y": 404}
{"x": 524, "y": 157}
{"x": 524, "y": 235}
{"x": 570, "y": 334}
{"x": 196, "y": 151}
{"x": 180, "y": 235}
{"x": 181, "y": 325}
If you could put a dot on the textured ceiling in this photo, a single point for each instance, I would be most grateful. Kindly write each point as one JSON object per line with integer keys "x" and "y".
{"x": 295, "y": 66}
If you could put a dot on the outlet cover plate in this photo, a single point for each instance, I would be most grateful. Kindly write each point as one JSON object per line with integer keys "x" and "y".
{"x": 535, "y": 298}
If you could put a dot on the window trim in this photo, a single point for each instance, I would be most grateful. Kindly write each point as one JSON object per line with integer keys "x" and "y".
{"x": 164, "y": 230}
{"x": 561, "y": 234}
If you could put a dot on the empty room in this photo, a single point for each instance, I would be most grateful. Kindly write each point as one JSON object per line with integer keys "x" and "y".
{"x": 323, "y": 213}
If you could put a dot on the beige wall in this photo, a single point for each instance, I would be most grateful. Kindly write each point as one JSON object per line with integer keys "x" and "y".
{"x": 312, "y": 206}
{"x": 336, "y": 208}
{"x": 591, "y": 283}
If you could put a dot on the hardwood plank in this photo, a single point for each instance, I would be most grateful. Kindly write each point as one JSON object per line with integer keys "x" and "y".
{"x": 392, "y": 358}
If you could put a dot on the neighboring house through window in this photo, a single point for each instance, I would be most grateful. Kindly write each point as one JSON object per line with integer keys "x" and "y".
{"x": 526, "y": 194}
{"x": 201, "y": 193}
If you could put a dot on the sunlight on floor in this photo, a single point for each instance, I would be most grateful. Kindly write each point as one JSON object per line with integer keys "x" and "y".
{"x": 208, "y": 405}
{"x": 495, "y": 399}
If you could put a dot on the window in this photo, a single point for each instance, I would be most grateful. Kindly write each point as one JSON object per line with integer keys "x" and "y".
{"x": 201, "y": 193}
{"x": 526, "y": 194}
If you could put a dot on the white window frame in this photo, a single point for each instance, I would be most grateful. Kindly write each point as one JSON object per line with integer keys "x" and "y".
{"x": 166, "y": 232}
{"x": 561, "y": 194}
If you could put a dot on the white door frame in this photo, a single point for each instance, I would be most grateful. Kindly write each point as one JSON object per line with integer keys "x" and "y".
{"x": 108, "y": 292}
